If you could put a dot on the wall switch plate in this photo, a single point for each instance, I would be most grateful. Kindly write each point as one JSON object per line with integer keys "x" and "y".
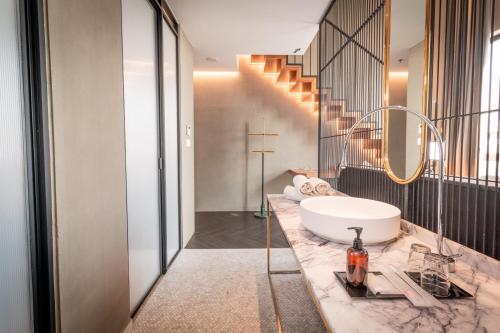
{"x": 188, "y": 130}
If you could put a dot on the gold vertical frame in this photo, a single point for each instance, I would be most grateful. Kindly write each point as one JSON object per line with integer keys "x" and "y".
{"x": 385, "y": 125}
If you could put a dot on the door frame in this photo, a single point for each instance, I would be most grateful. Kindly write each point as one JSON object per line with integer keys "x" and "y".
{"x": 38, "y": 160}
{"x": 165, "y": 15}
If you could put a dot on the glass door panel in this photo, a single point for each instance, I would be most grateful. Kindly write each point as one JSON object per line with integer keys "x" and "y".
{"x": 142, "y": 147}
{"x": 15, "y": 273}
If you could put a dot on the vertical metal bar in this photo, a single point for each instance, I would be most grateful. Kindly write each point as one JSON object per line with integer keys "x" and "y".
{"x": 466, "y": 69}
{"x": 432, "y": 107}
{"x": 464, "y": 114}
{"x": 448, "y": 76}
{"x": 268, "y": 237}
{"x": 477, "y": 188}
{"x": 471, "y": 117}
{"x": 488, "y": 135}
{"x": 495, "y": 196}
{"x": 455, "y": 118}
{"x": 320, "y": 98}
{"x": 420, "y": 186}
{"x": 268, "y": 245}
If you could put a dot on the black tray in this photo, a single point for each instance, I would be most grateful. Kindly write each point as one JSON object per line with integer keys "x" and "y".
{"x": 455, "y": 291}
{"x": 363, "y": 292}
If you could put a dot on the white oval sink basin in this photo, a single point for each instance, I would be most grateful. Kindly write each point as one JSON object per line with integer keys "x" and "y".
{"x": 329, "y": 217}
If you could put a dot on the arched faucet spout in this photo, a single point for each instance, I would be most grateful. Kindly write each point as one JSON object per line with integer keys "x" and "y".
{"x": 343, "y": 162}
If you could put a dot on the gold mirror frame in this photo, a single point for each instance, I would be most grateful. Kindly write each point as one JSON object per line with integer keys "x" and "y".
{"x": 385, "y": 133}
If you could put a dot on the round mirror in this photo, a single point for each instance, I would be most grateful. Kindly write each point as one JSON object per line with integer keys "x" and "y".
{"x": 406, "y": 49}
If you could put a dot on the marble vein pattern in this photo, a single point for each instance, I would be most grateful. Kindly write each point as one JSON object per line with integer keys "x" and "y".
{"x": 319, "y": 258}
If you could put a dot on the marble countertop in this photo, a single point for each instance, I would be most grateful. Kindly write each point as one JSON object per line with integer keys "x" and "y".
{"x": 319, "y": 258}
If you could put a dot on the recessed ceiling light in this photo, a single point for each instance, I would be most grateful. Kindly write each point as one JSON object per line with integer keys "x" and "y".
{"x": 211, "y": 59}
{"x": 296, "y": 50}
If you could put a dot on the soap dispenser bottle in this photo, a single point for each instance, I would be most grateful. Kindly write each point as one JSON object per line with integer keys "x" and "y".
{"x": 357, "y": 261}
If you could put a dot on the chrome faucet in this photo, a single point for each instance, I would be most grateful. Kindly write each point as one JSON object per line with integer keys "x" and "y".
{"x": 343, "y": 162}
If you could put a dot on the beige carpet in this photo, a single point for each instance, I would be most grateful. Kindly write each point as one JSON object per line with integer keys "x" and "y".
{"x": 227, "y": 291}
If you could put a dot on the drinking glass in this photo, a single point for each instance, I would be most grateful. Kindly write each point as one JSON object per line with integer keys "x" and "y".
{"x": 434, "y": 277}
{"x": 416, "y": 257}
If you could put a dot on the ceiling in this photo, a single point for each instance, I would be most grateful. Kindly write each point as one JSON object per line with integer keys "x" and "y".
{"x": 222, "y": 29}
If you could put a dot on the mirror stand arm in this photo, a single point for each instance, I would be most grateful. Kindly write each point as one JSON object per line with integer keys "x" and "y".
{"x": 343, "y": 162}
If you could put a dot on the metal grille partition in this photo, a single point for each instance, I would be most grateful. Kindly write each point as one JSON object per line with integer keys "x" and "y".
{"x": 464, "y": 90}
{"x": 308, "y": 61}
{"x": 464, "y": 105}
{"x": 351, "y": 50}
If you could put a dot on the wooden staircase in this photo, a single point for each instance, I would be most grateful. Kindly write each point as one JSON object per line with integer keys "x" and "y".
{"x": 366, "y": 139}
{"x": 303, "y": 88}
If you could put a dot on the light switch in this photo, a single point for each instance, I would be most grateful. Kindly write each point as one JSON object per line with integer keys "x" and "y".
{"x": 188, "y": 130}
{"x": 188, "y": 143}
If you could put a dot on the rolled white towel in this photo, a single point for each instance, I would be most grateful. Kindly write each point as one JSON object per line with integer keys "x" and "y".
{"x": 303, "y": 185}
{"x": 320, "y": 186}
{"x": 292, "y": 193}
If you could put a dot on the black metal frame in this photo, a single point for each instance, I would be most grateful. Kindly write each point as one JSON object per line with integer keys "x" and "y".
{"x": 165, "y": 15}
{"x": 320, "y": 82}
{"x": 359, "y": 49}
{"x": 38, "y": 164}
{"x": 470, "y": 211}
{"x": 366, "y": 57}
{"x": 471, "y": 215}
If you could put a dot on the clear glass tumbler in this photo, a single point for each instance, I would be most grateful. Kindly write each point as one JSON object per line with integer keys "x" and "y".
{"x": 434, "y": 277}
{"x": 416, "y": 257}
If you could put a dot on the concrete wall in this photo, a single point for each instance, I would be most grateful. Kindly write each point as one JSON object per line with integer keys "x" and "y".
{"x": 89, "y": 164}
{"x": 186, "y": 142}
{"x": 227, "y": 107}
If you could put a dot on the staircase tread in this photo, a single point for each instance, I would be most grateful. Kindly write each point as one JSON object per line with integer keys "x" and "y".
{"x": 291, "y": 75}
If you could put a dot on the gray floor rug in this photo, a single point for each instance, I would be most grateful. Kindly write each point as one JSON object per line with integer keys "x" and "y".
{"x": 226, "y": 290}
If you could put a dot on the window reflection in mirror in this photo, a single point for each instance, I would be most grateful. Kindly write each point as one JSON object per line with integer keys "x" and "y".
{"x": 490, "y": 100}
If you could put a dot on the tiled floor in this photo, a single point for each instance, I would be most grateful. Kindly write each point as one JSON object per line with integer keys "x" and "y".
{"x": 233, "y": 230}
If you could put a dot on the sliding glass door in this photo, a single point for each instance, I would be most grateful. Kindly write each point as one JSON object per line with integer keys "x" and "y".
{"x": 140, "y": 65}
{"x": 171, "y": 155}
{"x": 151, "y": 134}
